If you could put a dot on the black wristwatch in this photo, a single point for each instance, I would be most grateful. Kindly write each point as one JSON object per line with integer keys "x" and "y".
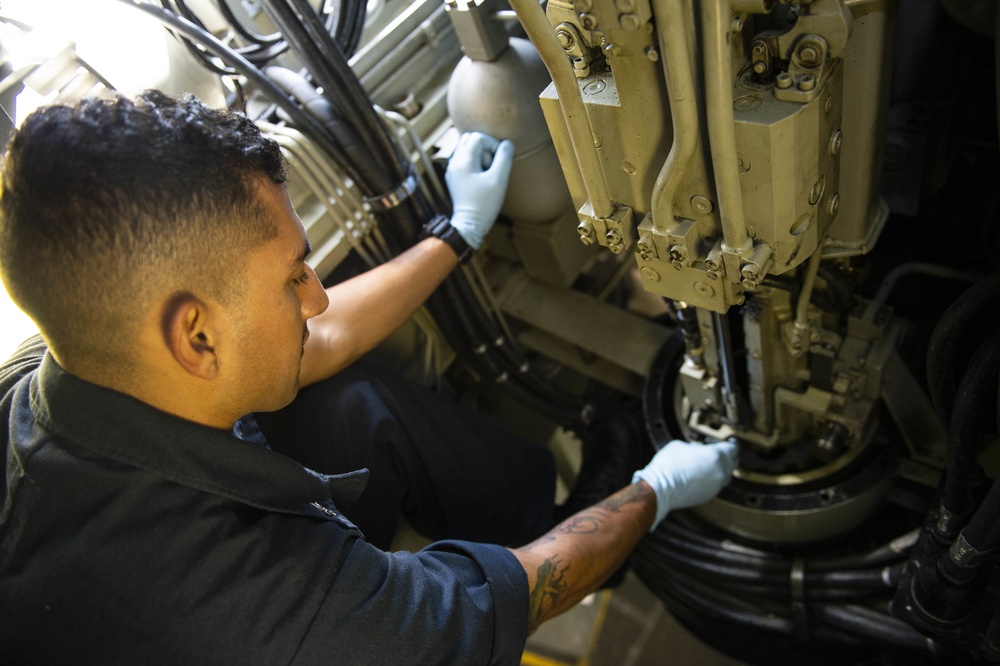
{"x": 440, "y": 227}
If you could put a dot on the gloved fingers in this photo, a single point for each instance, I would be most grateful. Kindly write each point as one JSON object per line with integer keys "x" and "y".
{"x": 729, "y": 455}
{"x": 471, "y": 153}
{"x": 502, "y": 161}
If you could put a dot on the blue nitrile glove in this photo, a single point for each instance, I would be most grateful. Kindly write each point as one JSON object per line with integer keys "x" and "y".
{"x": 685, "y": 474}
{"x": 477, "y": 178}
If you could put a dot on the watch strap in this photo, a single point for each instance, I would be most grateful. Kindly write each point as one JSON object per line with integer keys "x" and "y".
{"x": 440, "y": 227}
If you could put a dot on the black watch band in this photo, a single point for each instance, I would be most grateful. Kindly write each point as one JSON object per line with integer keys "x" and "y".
{"x": 440, "y": 227}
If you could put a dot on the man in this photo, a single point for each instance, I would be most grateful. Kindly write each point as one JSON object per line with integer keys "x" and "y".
{"x": 144, "y": 520}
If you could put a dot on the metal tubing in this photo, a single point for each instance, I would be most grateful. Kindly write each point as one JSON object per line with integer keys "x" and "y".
{"x": 805, "y": 294}
{"x": 715, "y": 33}
{"x": 727, "y": 365}
{"x": 543, "y": 36}
{"x": 675, "y": 18}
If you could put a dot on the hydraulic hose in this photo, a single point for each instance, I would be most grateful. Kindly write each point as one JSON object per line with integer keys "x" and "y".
{"x": 305, "y": 123}
{"x": 979, "y": 381}
{"x": 355, "y": 95}
{"x": 364, "y": 168}
{"x": 956, "y": 334}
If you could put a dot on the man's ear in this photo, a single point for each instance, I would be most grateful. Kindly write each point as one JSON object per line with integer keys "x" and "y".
{"x": 189, "y": 335}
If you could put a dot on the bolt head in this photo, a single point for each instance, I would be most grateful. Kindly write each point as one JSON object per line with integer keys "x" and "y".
{"x": 629, "y": 21}
{"x": 807, "y": 82}
{"x": 834, "y": 205}
{"x": 836, "y": 139}
{"x": 809, "y": 55}
{"x": 783, "y": 80}
{"x": 702, "y": 204}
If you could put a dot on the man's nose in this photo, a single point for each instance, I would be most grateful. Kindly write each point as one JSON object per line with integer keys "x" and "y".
{"x": 316, "y": 300}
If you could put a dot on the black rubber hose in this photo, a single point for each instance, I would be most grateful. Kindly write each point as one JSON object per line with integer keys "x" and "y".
{"x": 872, "y": 623}
{"x": 508, "y": 356}
{"x": 304, "y": 122}
{"x": 873, "y": 580}
{"x": 325, "y": 77}
{"x": 326, "y": 59}
{"x": 243, "y": 31}
{"x": 983, "y": 531}
{"x": 363, "y": 167}
{"x": 973, "y": 397}
{"x": 957, "y": 333}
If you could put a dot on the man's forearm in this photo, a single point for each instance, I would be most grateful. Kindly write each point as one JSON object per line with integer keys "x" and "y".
{"x": 367, "y": 308}
{"x": 575, "y": 557}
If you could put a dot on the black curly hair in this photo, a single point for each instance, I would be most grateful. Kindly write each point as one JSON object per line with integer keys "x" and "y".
{"x": 108, "y": 203}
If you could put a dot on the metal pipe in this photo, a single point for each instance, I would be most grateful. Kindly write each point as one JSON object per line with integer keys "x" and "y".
{"x": 805, "y": 294}
{"x": 727, "y": 366}
{"x": 715, "y": 35}
{"x": 675, "y": 19}
{"x": 543, "y": 36}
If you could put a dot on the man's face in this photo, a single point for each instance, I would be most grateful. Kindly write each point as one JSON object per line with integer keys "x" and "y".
{"x": 281, "y": 292}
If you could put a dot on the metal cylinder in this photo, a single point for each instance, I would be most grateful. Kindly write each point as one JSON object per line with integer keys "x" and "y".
{"x": 500, "y": 98}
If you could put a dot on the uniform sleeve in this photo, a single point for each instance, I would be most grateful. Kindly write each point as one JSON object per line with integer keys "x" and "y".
{"x": 452, "y": 603}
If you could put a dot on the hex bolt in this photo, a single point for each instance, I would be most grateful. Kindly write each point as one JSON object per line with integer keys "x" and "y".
{"x": 783, "y": 80}
{"x": 646, "y": 248}
{"x": 835, "y": 140}
{"x": 565, "y": 38}
{"x": 807, "y": 82}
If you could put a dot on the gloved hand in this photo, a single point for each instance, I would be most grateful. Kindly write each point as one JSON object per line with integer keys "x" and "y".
{"x": 477, "y": 178}
{"x": 685, "y": 474}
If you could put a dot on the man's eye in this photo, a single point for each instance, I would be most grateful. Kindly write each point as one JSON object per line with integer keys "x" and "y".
{"x": 304, "y": 278}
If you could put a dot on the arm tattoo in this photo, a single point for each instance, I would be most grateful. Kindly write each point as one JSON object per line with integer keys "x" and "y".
{"x": 549, "y": 588}
{"x": 590, "y": 520}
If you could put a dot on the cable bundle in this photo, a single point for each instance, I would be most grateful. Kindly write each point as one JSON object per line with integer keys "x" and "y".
{"x": 733, "y": 591}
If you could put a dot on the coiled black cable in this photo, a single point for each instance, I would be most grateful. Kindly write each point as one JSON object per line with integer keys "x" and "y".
{"x": 699, "y": 574}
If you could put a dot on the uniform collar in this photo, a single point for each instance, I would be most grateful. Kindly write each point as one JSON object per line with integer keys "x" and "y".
{"x": 120, "y": 427}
